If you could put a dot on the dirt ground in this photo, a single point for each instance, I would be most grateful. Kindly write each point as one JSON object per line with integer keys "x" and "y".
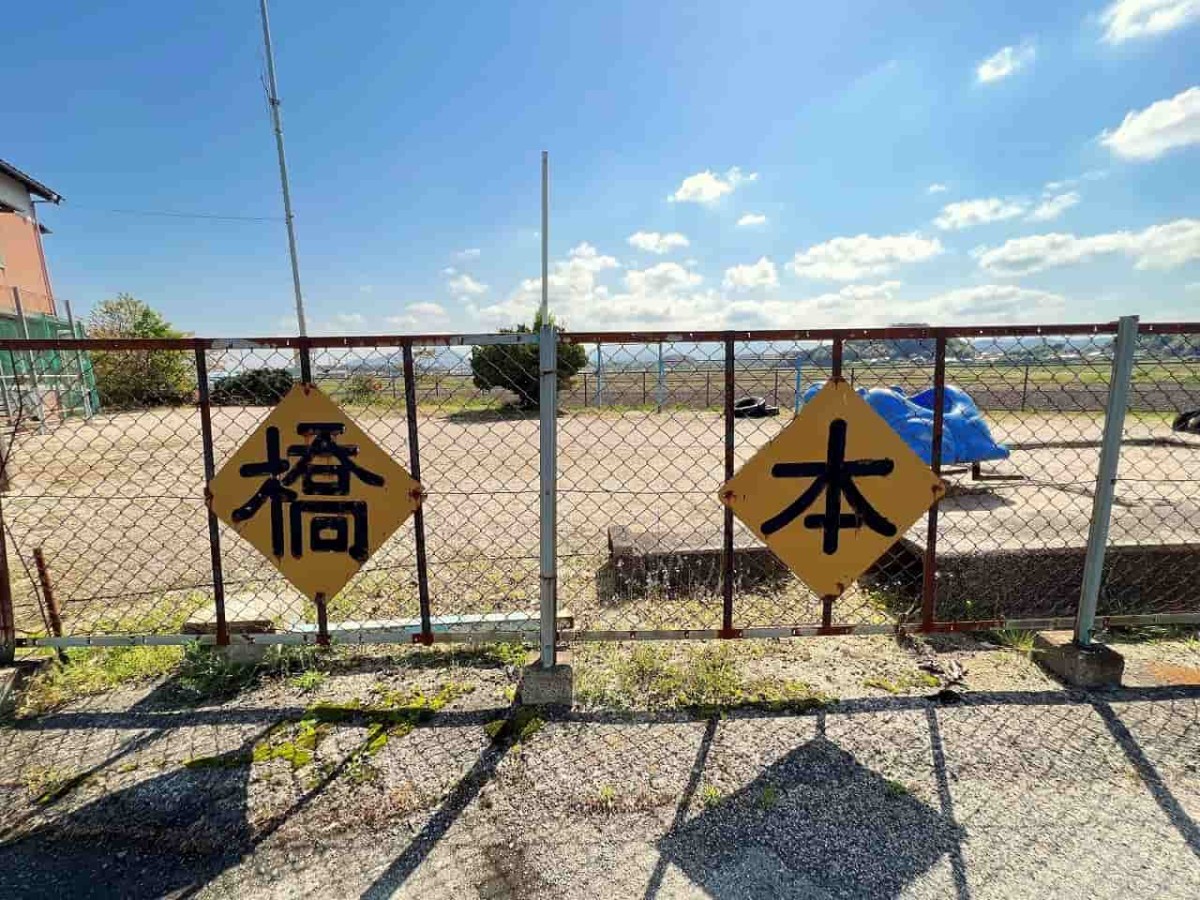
{"x": 117, "y": 505}
{"x": 1001, "y": 784}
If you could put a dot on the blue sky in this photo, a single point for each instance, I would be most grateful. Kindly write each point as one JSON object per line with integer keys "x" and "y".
{"x": 857, "y": 163}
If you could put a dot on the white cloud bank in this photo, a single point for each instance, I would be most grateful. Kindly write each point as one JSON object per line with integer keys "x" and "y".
{"x": 1148, "y": 133}
{"x": 967, "y": 213}
{"x": 1127, "y": 20}
{"x": 1165, "y": 246}
{"x": 1053, "y": 206}
{"x": 464, "y": 285}
{"x": 709, "y": 187}
{"x": 862, "y": 256}
{"x": 654, "y": 242}
{"x": 751, "y": 276}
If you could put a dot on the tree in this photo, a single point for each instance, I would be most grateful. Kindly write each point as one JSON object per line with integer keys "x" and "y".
{"x": 254, "y": 387}
{"x": 516, "y": 367}
{"x": 128, "y": 379}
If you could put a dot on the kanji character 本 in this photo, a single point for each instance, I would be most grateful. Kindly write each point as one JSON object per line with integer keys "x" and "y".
{"x": 835, "y": 476}
{"x": 335, "y": 526}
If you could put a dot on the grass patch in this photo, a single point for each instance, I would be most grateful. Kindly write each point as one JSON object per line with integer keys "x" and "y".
{"x": 91, "y": 671}
{"x": 308, "y": 680}
{"x": 895, "y": 788}
{"x": 903, "y": 682}
{"x": 1014, "y": 639}
{"x": 710, "y": 796}
{"x": 521, "y": 725}
{"x": 1152, "y": 634}
{"x": 392, "y": 713}
{"x": 769, "y": 797}
{"x": 705, "y": 677}
{"x": 45, "y": 784}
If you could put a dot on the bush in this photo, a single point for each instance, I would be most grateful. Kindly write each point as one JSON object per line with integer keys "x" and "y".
{"x": 360, "y": 389}
{"x": 254, "y": 387}
{"x": 129, "y": 379}
{"x": 516, "y": 367}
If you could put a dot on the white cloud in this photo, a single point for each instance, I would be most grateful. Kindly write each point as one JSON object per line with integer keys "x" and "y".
{"x": 1127, "y": 20}
{"x": 966, "y": 213}
{"x": 465, "y": 286}
{"x": 996, "y": 304}
{"x": 1166, "y": 125}
{"x": 751, "y": 276}
{"x": 709, "y": 187}
{"x": 469, "y": 253}
{"x": 937, "y": 188}
{"x": 751, "y": 219}
{"x": 449, "y": 270}
{"x": 418, "y": 317}
{"x": 1053, "y": 206}
{"x": 850, "y": 258}
{"x": 1165, "y": 246}
{"x": 341, "y": 323}
{"x": 1004, "y": 62}
{"x": 654, "y": 242}
{"x": 577, "y": 297}
{"x": 428, "y": 310}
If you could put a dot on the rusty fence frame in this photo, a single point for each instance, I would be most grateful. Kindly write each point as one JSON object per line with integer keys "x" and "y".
{"x": 426, "y": 633}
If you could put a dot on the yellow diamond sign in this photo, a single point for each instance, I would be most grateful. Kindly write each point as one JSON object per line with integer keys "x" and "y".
{"x": 833, "y": 490}
{"x": 313, "y": 493}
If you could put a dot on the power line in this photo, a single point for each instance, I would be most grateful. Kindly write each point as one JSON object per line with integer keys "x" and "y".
{"x": 173, "y": 214}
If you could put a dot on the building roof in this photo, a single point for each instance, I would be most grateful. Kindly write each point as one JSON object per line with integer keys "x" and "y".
{"x": 32, "y": 185}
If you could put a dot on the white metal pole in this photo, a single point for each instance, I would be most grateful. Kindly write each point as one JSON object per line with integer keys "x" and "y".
{"x": 548, "y": 456}
{"x": 545, "y": 308}
{"x": 1106, "y": 478}
{"x": 273, "y": 100}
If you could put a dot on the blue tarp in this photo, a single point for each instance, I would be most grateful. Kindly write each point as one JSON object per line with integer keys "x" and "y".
{"x": 966, "y": 437}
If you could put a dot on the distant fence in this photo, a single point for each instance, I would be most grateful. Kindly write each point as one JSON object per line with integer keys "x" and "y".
{"x": 642, "y": 548}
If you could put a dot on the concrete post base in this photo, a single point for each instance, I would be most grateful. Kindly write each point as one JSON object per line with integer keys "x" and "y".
{"x": 242, "y": 653}
{"x": 1093, "y": 666}
{"x": 547, "y": 687}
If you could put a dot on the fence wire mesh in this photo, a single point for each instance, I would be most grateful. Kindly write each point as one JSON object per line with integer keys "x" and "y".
{"x": 114, "y": 494}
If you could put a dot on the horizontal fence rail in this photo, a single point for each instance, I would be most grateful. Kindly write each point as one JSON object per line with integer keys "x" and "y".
{"x": 109, "y": 445}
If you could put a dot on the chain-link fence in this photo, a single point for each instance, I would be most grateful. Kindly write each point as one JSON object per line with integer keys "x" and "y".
{"x": 649, "y": 426}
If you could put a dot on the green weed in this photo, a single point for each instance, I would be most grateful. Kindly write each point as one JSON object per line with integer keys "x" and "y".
{"x": 87, "y": 672}
{"x": 1014, "y": 639}
{"x": 896, "y": 788}
{"x": 45, "y": 784}
{"x": 710, "y": 796}
{"x": 705, "y": 677}
{"x": 769, "y": 797}
{"x": 307, "y": 681}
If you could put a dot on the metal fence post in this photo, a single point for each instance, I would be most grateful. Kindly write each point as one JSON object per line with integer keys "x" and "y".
{"x": 929, "y": 566}
{"x": 210, "y": 471}
{"x": 599, "y": 374}
{"x": 85, "y": 391}
{"x": 727, "y": 560}
{"x": 414, "y": 462}
{"x": 1106, "y": 478}
{"x": 548, "y": 466}
{"x": 796, "y": 393}
{"x": 8, "y": 623}
{"x": 660, "y": 388}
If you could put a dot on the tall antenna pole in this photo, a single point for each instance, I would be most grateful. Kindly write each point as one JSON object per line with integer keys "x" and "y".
{"x": 273, "y": 100}
{"x": 545, "y": 310}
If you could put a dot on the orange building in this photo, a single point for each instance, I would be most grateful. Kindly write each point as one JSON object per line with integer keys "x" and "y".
{"x": 22, "y": 258}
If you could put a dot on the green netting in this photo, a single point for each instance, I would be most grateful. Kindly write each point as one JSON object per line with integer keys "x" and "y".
{"x": 65, "y": 374}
